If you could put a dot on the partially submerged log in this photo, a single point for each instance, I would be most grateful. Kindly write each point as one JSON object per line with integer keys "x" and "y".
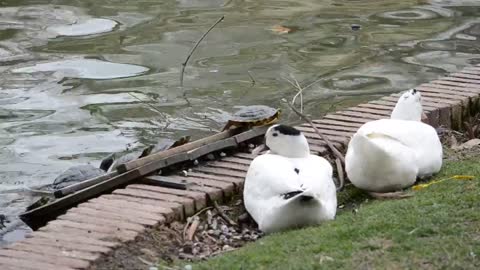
{"x": 137, "y": 170}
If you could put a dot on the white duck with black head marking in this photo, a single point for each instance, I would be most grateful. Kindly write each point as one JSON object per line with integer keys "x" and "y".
{"x": 389, "y": 154}
{"x": 288, "y": 187}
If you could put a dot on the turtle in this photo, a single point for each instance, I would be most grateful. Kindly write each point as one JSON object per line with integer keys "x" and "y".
{"x": 111, "y": 163}
{"x": 76, "y": 174}
{"x": 254, "y": 115}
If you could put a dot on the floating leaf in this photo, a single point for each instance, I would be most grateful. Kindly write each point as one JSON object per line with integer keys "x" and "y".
{"x": 281, "y": 29}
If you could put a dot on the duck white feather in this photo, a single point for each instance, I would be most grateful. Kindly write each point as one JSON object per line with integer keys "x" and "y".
{"x": 389, "y": 154}
{"x": 288, "y": 187}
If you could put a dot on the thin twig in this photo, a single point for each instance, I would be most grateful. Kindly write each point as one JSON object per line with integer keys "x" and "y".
{"x": 341, "y": 176}
{"x": 223, "y": 215}
{"x": 251, "y": 78}
{"x": 300, "y": 92}
{"x": 329, "y": 144}
{"x": 155, "y": 109}
{"x": 184, "y": 64}
{"x": 390, "y": 195}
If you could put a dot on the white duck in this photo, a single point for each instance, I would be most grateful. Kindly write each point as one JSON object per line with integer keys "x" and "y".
{"x": 288, "y": 187}
{"x": 389, "y": 154}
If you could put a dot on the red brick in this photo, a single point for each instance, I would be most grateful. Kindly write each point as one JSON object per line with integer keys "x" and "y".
{"x": 228, "y": 165}
{"x": 55, "y": 251}
{"x": 68, "y": 245}
{"x": 54, "y": 236}
{"x": 29, "y": 263}
{"x": 88, "y": 229}
{"x": 177, "y": 207}
{"x": 113, "y": 215}
{"x": 239, "y": 176}
{"x": 117, "y": 201}
{"x": 225, "y": 188}
{"x": 199, "y": 198}
{"x": 87, "y": 218}
{"x": 56, "y": 260}
{"x": 149, "y": 219}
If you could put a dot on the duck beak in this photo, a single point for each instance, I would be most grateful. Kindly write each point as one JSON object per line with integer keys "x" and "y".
{"x": 259, "y": 149}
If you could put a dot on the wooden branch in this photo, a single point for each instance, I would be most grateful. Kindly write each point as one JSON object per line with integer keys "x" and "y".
{"x": 179, "y": 149}
{"x": 223, "y": 215}
{"x": 330, "y": 145}
{"x": 184, "y": 64}
{"x": 78, "y": 186}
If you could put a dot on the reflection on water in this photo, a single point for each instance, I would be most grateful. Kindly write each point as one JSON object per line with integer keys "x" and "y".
{"x": 69, "y": 70}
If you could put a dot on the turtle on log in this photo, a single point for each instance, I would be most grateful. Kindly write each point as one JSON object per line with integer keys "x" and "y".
{"x": 254, "y": 115}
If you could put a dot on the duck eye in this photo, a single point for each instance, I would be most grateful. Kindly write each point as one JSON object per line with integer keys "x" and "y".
{"x": 275, "y": 134}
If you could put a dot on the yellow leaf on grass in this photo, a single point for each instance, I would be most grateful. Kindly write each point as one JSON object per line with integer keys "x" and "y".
{"x": 456, "y": 177}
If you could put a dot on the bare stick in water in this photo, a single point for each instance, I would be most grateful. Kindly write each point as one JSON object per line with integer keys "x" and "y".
{"x": 330, "y": 145}
{"x": 155, "y": 109}
{"x": 184, "y": 64}
{"x": 251, "y": 78}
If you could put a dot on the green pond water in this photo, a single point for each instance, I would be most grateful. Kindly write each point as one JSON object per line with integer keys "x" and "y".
{"x": 69, "y": 69}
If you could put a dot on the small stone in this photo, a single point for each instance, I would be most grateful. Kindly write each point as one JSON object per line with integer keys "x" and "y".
{"x": 222, "y": 154}
{"x": 200, "y": 228}
{"x": 195, "y": 162}
{"x": 211, "y": 232}
{"x": 153, "y": 268}
{"x": 224, "y": 229}
{"x": 190, "y": 170}
{"x": 188, "y": 267}
{"x": 211, "y": 156}
{"x": 185, "y": 173}
{"x": 226, "y": 247}
{"x": 251, "y": 145}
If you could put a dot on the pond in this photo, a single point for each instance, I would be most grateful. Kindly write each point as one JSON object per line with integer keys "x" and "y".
{"x": 76, "y": 75}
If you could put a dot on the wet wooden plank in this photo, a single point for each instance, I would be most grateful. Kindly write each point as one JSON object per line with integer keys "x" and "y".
{"x": 215, "y": 146}
{"x": 164, "y": 181}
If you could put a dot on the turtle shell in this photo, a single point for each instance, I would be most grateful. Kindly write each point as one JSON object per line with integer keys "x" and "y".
{"x": 258, "y": 114}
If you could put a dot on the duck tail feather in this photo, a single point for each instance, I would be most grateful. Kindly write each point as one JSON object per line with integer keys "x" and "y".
{"x": 291, "y": 194}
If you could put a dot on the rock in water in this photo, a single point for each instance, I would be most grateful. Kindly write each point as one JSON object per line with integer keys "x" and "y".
{"x": 76, "y": 174}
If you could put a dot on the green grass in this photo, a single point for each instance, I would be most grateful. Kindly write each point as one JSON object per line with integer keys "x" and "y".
{"x": 438, "y": 228}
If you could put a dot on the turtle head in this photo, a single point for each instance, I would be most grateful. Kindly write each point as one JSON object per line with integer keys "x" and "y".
{"x": 409, "y": 106}
{"x": 286, "y": 141}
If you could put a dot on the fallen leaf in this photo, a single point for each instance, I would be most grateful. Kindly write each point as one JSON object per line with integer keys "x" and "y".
{"x": 281, "y": 29}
